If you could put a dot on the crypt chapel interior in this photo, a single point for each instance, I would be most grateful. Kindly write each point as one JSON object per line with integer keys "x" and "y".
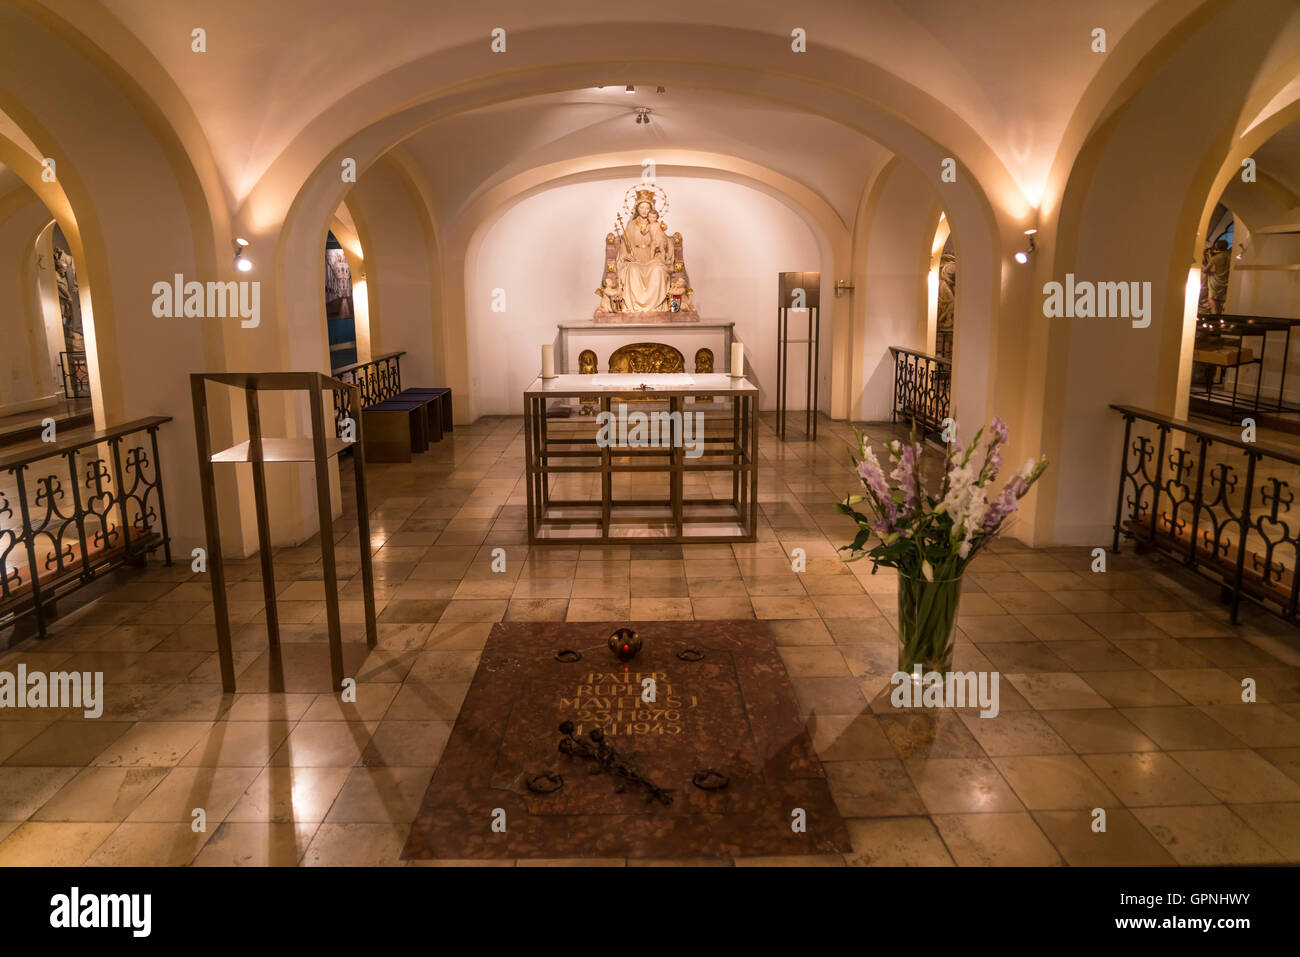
{"x": 559, "y": 433}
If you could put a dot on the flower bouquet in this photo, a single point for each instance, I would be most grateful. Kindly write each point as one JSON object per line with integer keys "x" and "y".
{"x": 931, "y": 539}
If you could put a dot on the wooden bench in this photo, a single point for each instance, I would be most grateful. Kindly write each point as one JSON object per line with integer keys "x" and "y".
{"x": 433, "y": 422}
{"x": 394, "y": 429}
{"x": 444, "y": 402}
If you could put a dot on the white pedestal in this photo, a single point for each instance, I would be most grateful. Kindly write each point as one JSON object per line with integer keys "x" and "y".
{"x": 603, "y": 338}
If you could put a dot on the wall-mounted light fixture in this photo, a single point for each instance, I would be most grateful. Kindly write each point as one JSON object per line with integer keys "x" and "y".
{"x": 242, "y": 264}
{"x": 842, "y": 286}
{"x": 1022, "y": 257}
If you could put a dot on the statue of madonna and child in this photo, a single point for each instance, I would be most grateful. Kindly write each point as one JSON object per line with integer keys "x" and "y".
{"x": 645, "y": 274}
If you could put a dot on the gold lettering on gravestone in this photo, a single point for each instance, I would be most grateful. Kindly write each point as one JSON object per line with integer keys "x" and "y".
{"x": 612, "y": 701}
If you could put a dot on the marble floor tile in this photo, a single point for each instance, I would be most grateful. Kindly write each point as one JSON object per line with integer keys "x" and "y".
{"x": 1123, "y": 843}
{"x": 996, "y": 840}
{"x": 286, "y": 795}
{"x": 1148, "y": 779}
{"x": 1238, "y": 777}
{"x": 50, "y": 844}
{"x": 257, "y": 844}
{"x": 186, "y": 789}
{"x": 961, "y": 785}
{"x": 1210, "y": 834}
{"x": 896, "y": 842}
{"x": 149, "y": 845}
{"x": 101, "y": 794}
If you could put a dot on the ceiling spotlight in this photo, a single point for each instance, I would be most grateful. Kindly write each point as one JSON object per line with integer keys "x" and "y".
{"x": 643, "y": 116}
{"x": 241, "y": 241}
{"x": 630, "y": 89}
{"x": 1023, "y": 255}
{"x": 660, "y": 89}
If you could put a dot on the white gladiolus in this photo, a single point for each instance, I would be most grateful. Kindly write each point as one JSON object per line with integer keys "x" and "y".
{"x": 927, "y": 571}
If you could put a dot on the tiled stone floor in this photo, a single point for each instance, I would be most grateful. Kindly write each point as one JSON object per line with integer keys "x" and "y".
{"x": 1119, "y": 690}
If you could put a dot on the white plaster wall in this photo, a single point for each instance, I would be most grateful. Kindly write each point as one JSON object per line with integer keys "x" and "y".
{"x": 26, "y": 372}
{"x": 895, "y": 295}
{"x": 547, "y": 252}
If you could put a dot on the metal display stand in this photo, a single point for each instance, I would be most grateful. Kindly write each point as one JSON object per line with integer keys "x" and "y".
{"x": 317, "y": 449}
{"x": 555, "y": 451}
{"x": 787, "y": 284}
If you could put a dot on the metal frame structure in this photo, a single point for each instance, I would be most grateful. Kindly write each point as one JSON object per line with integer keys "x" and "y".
{"x": 257, "y": 451}
{"x": 1219, "y": 405}
{"x": 811, "y": 284}
{"x": 546, "y": 455}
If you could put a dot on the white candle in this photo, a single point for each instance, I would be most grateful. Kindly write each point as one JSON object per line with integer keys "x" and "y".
{"x": 737, "y": 358}
{"x": 548, "y": 361}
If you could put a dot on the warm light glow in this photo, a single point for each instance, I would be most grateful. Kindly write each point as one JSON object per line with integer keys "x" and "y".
{"x": 1022, "y": 257}
{"x": 931, "y": 307}
{"x": 243, "y": 265}
{"x": 1191, "y": 302}
{"x": 241, "y": 241}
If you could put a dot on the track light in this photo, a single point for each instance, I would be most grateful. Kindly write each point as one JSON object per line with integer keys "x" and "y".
{"x": 1023, "y": 255}
{"x": 241, "y": 241}
{"x": 643, "y": 116}
{"x": 660, "y": 89}
{"x": 242, "y": 264}
{"x": 630, "y": 89}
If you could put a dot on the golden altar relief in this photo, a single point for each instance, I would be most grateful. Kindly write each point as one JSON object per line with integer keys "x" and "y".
{"x": 645, "y": 277}
{"x": 642, "y": 358}
{"x": 646, "y": 357}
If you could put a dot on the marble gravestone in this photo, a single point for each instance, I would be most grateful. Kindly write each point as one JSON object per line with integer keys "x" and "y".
{"x": 731, "y": 711}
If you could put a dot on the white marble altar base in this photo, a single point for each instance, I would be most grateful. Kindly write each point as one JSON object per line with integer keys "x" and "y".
{"x": 603, "y": 338}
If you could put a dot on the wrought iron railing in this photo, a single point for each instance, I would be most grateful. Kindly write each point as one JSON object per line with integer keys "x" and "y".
{"x": 75, "y": 374}
{"x": 922, "y": 389}
{"x": 378, "y": 379}
{"x": 71, "y": 510}
{"x": 1219, "y": 505}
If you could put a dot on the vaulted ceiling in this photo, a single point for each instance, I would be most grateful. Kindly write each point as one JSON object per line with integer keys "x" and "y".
{"x": 1013, "y": 71}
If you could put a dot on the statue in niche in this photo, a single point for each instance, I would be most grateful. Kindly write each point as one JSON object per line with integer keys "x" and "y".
{"x": 945, "y": 313}
{"x": 703, "y": 366}
{"x": 1215, "y": 266}
{"x": 587, "y": 366}
{"x": 65, "y": 272}
{"x": 645, "y": 274}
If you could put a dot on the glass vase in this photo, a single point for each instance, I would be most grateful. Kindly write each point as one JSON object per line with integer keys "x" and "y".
{"x": 927, "y": 623}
